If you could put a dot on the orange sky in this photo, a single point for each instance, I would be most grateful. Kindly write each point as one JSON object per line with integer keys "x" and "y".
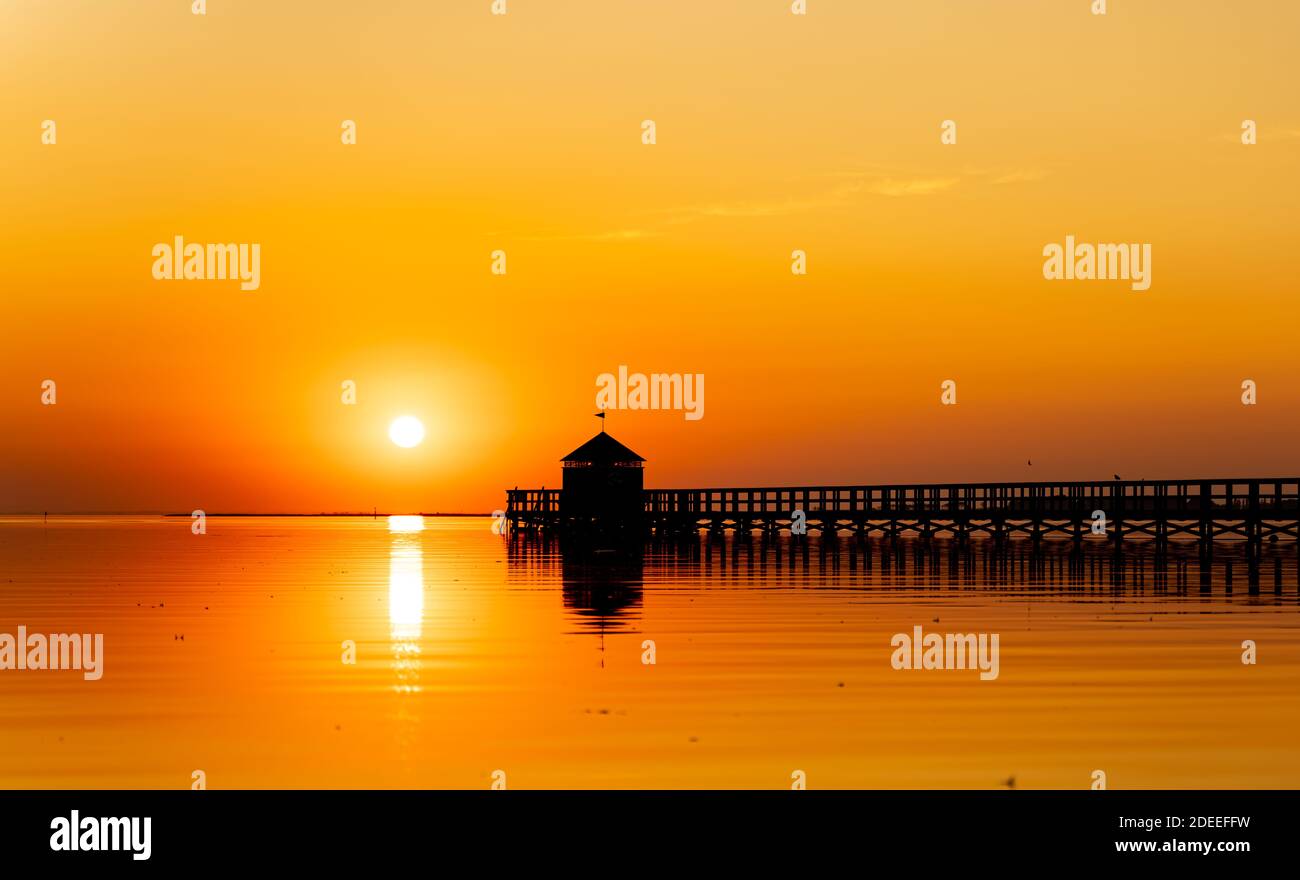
{"x": 522, "y": 133}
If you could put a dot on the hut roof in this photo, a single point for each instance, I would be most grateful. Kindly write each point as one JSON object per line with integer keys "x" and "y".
{"x": 602, "y": 449}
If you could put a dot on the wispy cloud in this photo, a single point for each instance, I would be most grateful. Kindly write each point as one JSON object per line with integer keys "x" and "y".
{"x": 850, "y": 187}
{"x": 620, "y": 235}
{"x": 1020, "y": 175}
{"x": 835, "y": 190}
{"x": 765, "y": 208}
{"x": 608, "y": 235}
{"x": 920, "y": 186}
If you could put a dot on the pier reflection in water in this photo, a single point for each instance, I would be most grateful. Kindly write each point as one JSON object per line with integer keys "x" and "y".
{"x": 1019, "y": 565}
{"x": 610, "y": 590}
{"x": 602, "y": 592}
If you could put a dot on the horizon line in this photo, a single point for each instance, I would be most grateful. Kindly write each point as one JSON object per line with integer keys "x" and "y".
{"x": 372, "y": 515}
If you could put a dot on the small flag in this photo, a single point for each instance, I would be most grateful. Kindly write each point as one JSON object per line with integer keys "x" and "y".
{"x": 600, "y": 415}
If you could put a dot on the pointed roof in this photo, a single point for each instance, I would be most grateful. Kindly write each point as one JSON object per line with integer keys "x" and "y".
{"x": 602, "y": 449}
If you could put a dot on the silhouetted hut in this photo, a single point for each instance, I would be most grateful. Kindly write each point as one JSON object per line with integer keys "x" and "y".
{"x": 603, "y": 483}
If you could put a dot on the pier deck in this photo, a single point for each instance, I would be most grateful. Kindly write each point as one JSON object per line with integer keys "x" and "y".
{"x": 1253, "y": 509}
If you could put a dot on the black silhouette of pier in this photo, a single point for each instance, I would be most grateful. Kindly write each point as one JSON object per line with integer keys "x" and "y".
{"x": 610, "y": 593}
{"x": 1254, "y": 510}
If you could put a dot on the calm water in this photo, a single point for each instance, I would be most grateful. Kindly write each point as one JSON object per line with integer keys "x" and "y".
{"x": 224, "y": 653}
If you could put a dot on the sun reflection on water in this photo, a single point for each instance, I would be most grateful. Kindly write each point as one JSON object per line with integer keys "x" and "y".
{"x": 406, "y": 599}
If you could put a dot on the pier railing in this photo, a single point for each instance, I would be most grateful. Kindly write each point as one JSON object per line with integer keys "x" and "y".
{"x": 1191, "y": 499}
{"x": 533, "y": 502}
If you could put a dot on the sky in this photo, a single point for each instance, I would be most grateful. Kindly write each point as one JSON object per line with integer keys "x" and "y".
{"x": 523, "y": 133}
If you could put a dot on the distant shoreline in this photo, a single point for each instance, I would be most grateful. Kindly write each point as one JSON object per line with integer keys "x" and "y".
{"x": 372, "y": 515}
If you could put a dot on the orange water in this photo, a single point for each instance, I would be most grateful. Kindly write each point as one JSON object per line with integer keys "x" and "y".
{"x": 224, "y": 653}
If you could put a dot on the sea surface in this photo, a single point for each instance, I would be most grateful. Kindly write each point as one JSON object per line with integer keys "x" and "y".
{"x": 481, "y": 660}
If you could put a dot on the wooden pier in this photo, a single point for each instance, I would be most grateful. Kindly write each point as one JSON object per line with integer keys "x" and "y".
{"x": 1254, "y": 510}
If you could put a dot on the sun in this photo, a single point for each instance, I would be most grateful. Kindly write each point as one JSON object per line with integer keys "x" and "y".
{"x": 406, "y": 431}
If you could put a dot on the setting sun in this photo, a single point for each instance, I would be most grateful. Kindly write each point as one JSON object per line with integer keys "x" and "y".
{"x": 406, "y": 431}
